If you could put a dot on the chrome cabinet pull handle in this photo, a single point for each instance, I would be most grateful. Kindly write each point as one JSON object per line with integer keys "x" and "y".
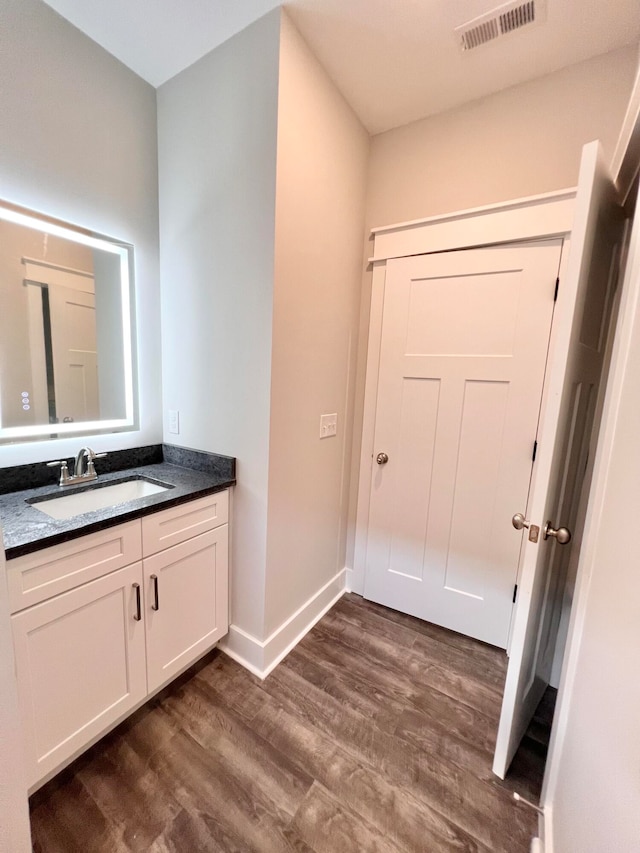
{"x": 382, "y": 458}
{"x": 138, "y": 615}
{"x": 156, "y": 604}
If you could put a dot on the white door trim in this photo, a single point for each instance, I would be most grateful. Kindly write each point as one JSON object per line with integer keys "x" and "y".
{"x": 539, "y": 217}
{"x": 625, "y": 162}
{"x": 44, "y": 272}
{"x": 531, "y": 218}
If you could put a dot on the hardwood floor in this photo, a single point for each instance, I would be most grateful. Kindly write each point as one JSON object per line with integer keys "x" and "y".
{"x": 374, "y": 735}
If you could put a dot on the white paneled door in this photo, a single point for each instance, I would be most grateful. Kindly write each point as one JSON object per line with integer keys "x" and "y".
{"x": 464, "y": 345}
{"x": 559, "y": 499}
{"x": 74, "y": 350}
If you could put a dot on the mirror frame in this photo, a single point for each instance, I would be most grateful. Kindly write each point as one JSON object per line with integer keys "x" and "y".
{"x": 48, "y": 225}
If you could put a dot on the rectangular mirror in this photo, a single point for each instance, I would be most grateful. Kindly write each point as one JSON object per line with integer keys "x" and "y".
{"x": 66, "y": 346}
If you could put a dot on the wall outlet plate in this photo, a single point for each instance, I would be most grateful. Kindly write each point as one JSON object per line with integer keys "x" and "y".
{"x": 174, "y": 421}
{"x": 328, "y": 425}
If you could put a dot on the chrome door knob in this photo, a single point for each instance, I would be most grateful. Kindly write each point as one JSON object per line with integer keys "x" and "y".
{"x": 561, "y": 535}
{"x": 382, "y": 458}
{"x": 519, "y": 521}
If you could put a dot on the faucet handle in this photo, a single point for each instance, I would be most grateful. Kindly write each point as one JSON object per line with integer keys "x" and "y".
{"x": 64, "y": 470}
{"x": 91, "y": 471}
{"x": 91, "y": 454}
{"x": 60, "y": 462}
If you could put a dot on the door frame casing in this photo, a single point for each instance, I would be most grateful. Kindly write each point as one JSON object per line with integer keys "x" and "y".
{"x": 521, "y": 220}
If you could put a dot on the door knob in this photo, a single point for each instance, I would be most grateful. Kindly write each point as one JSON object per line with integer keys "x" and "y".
{"x": 519, "y": 521}
{"x": 382, "y": 458}
{"x": 561, "y": 535}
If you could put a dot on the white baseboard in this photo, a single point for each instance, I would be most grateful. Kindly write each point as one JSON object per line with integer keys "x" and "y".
{"x": 261, "y": 656}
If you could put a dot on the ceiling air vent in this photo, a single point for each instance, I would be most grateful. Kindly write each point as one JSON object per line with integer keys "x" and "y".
{"x": 500, "y": 22}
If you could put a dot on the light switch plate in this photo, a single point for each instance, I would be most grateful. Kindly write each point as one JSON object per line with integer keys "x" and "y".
{"x": 174, "y": 422}
{"x": 328, "y": 425}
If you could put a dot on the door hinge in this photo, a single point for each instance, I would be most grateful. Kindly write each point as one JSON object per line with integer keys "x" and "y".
{"x": 555, "y": 295}
{"x": 515, "y": 593}
{"x": 535, "y": 451}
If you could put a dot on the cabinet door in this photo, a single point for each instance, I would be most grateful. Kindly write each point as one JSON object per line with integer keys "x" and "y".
{"x": 80, "y": 663}
{"x": 186, "y": 603}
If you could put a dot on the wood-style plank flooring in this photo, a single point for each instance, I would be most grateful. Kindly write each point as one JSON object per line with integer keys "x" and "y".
{"x": 374, "y": 735}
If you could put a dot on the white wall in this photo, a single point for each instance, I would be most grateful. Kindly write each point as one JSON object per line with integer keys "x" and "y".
{"x": 217, "y": 126}
{"x": 519, "y": 142}
{"x": 78, "y": 133}
{"x": 592, "y": 790}
{"x": 320, "y": 194}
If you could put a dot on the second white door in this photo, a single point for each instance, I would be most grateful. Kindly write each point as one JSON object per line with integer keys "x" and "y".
{"x": 75, "y": 359}
{"x": 464, "y": 345}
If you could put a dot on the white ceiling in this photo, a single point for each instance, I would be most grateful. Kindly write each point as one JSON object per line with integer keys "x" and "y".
{"x": 394, "y": 60}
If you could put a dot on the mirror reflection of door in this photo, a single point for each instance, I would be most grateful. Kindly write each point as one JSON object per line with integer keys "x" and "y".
{"x": 63, "y": 342}
{"x": 73, "y": 353}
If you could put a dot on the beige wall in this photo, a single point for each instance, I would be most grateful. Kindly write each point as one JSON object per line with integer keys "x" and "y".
{"x": 519, "y": 142}
{"x": 320, "y": 192}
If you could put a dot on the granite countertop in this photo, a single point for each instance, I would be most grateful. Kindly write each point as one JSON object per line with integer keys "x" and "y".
{"x": 27, "y": 529}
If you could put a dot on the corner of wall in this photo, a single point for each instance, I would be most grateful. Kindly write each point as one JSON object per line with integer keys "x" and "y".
{"x": 217, "y": 129}
{"x": 262, "y": 656}
{"x": 322, "y": 162}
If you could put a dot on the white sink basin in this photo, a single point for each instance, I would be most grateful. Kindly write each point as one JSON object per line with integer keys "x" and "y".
{"x": 68, "y": 506}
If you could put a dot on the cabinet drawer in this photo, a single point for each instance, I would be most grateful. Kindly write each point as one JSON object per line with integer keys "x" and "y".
{"x": 172, "y": 526}
{"x": 44, "y": 574}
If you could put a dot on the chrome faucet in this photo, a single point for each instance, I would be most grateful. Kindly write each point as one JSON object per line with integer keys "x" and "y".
{"x": 84, "y": 453}
{"x": 84, "y": 470}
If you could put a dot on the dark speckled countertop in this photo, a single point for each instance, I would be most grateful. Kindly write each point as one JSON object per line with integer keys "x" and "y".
{"x": 191, "y": 474}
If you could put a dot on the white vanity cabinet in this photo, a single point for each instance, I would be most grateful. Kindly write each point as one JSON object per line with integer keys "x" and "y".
{"x": 102, "y": 622}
